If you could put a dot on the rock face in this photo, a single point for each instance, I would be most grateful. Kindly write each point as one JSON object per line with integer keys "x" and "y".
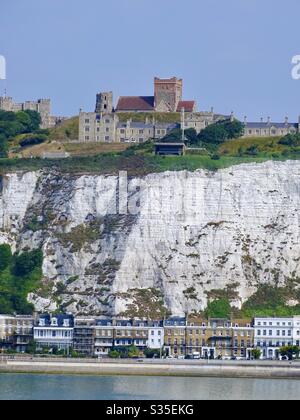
{"x": 185, "y": 234}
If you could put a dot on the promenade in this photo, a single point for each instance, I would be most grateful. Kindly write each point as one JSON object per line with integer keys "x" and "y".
{"x": 146, "y": 367}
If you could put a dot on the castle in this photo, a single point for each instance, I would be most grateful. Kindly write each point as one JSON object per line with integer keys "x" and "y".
{"x": 104, "y": 124}
{"x": 42, "y": 106}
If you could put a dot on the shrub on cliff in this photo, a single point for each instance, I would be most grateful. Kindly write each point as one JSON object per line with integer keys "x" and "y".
{"x": 219, "y": 308}
{"x": 19, "y": 276}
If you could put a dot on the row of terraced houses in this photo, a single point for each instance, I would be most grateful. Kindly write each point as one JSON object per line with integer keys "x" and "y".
{"x": 175, "y": 336}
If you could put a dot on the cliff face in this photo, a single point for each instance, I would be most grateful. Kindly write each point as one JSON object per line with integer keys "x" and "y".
{"x": 184, "y": 234}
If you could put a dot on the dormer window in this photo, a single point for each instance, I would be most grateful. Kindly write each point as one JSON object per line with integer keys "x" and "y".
{"x": 66, "y": 323}
{"x": 54, "y": 322}
{"x": 41, "y": 322}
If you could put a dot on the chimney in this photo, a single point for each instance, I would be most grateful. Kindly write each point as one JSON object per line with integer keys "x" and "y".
{"x": 212, "y": 110}
{"x": 286, "y": 120}
{"x": 262, "y": 120}
{"x": 245, "y": 119}
{"x": 232, "y": 116}
{"x": 269, "y": 120}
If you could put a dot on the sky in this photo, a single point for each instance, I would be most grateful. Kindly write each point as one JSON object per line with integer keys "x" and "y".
{"x": 234, "y": 55}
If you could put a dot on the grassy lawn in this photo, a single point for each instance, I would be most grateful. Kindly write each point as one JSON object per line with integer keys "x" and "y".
{"x": 67, "y": 130}
{"x": 136, "y": 165}
{"x": 265, "y": 146}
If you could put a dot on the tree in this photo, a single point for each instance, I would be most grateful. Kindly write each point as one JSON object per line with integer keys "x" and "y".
{"x": 191, "y": 136}
{"x": 290, "y": 351}
{"x": 235, "y": 129}
{"x": 114, "y": 354}
{"x": 256, "y": 354}
{"x": 151, "y": 353}
{"x": 213, "y": 134}
{"x": 174, "y": 136}
{"x": 5, "y": 257}
{"x": 133, "y": 352}
{"x": 219, "y": 308}
{"x": 27, "y": 262}
{"x": 221, "y": 131}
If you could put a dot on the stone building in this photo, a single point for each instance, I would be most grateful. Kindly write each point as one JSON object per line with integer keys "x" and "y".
{"x": 16, "y": 332}
{"x": 167, "y": 98}
{"x": 42, "y": 106}
{"x": 94, "y": 127}
{"x": 270, "y": 129}
{"x": 209, "y": 338}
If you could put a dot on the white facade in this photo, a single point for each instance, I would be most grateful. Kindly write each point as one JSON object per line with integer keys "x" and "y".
{"x": 55, "y": 335}
{"x": 155, "y": 338}
{"x": 270, "y": 334}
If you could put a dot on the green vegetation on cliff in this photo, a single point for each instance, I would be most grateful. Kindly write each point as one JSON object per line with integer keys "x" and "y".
{"x": 266, "y": 301}
{"x": 20, "y": 274}
{"x": 13, "y": 124}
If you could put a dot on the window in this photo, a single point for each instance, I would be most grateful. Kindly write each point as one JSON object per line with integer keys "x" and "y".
{"x": 106, "y": 138}
{"x": 107, "y": 121}
{"x": 87, "y": 121}
{"x": 87, "y": 129}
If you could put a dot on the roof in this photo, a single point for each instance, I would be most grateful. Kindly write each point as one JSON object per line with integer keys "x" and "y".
{"x": 60, "y": 319}
{"x": 104, "y": 322}
{"x": 270, "y": 125}
{"x": 188, "y": 106}
{"x": 177, "y": 144}
{"x": 135, "y": 103}
{"x": 175, "y": 321}
{"x": 159, "y": 126}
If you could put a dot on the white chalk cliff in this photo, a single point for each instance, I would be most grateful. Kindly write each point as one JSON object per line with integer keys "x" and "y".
{"x": 185, "y": 233}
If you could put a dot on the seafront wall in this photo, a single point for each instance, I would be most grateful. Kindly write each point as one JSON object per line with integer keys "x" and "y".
{"x": 259, "y": 371}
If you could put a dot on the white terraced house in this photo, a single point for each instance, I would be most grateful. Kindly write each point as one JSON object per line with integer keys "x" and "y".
{"x": 54, "y": 332}
{"x": 273, "y": 333}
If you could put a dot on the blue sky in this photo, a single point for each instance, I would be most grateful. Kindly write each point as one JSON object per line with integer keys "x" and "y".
{"x": 233, "y": 55}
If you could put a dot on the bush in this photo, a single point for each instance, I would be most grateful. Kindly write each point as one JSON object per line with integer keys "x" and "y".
{"x": 5, "y": 257}
{"x": 290, "y": 351}
{"x": 25, "y": 263}
{"x": 215, "y": 157}
{"x": 256, "y": 354}
{"x": 221, "y": 131}
{"x": 290, "y": 140}
{"x": 20, "y": 277}
{"x": 114, "y": 354}
{"x": 219, "y": 308}
{"x": 33, "y": 139}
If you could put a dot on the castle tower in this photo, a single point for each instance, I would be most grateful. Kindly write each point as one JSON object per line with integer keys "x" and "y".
{"x": 6, "y": 103}
{"x": 104, "y": 103}
{"x": 167, "y": 94}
